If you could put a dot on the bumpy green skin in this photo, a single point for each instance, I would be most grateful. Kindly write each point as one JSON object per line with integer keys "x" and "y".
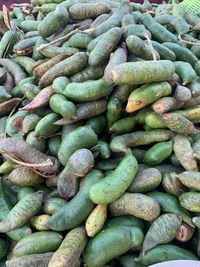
{"x": 185, "y": 71}
{"x": 136, "y": 204}
{"x": 20, "y": 233}
{"x": 190, "y": 201}
{"x": 190, "y": 179}
{"x": 122, "y": 92}
{"x": 82, "y": 137}
{"x": 165, "y": 104}
{"x": 114, "y": 185}
{"x": 67, "y": 67}
{"x": 178, "y": 123}
{"x": 34, "y": 141}
{"x": 59, "y": 84}
{"x": 82, "y": 11}
{"x": 52, "y": 205}
{"x": 37, "y": 243}
{"x": 87, "y": 91}
{"x": 132, "y": 73}
{"x": 138, "y": 30}
{"x": 164, "y": 253}
{"x": 172, "y": 184}
{"x": 197, "y": 68}
{"x": 46, "y": 127}
{"x": 53, "y": 22}
{"x": 85, "y": 111}
{"x": 60, "y": 105}
{"x": 29, "y": 25}
{"x": 157, "y": 153}
{"x": 14, "y": 69}
{"x": 122, "y": 142}
{"x": 104, "y": 149}
{"x": 147, "y": 94}
{"x": 158, "y": 31}
{"x": 113, "y": 21}
{"x": 35, "y": 260}
{"x": 126, "y": 220}
{"x": 118, "y": 57}
{"x": 24, "y": 191}
{"x": 145, "y": 180}
{"x": 16, "y": 91}
{"x": 70, "y": 250}
{"x": 139, "y": 48}
{"x": 53, "y": 145}
{"x": 121, "y": 239}
{"x": 114, "y": 109}
{"x": 182, "y": 53}
{"x": 78, "y": 209}
{"x": 29, "y": 122}
{"x": 123, "y": 126}
{"x": 169, "y": 203}
{"x": 184, "y": 153}
{"x": 22, "y": 212}
{"x": 162, "y": 231}
{"x": 105, "y": 46}
{"x": 154, "y": 121}
{"x": 24, "y": 176}
{"x": 25, "y": 44}
{"x": 89, "y": 73}
{"x": 80, "y": 40}
{"x": 7, "y": 42}
{"x": 97, "y": 123}
{"x": 164, "y": 52}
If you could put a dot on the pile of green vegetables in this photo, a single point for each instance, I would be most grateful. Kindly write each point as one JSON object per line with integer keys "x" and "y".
{"x": 99, "y": 136}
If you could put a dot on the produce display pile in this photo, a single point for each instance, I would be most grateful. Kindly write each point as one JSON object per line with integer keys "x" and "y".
{"x": 99, "y": 136}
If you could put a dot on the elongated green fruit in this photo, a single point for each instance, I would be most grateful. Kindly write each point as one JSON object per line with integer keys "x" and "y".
{"x": 88, "y": 90}
{"x": 157, "y": 153}
{"x": 132, "y": 73}
{"x": 53, "y": 205}
{"x": 82, "y": 137}
{"x": 139, "y": 48}
{"x": 169, "y": 203}
{"x": 34, "y": 260}
{"x": 105, "y": 46}
{"x": 190, "y": 201}
{"x": 22, "y": 212}
{"x": 136, "y": 204}
{"x": 165, "y": 253}
{"x": 172, "y": 185}
{"x": 145, "y": 180}
{"x": 147, "y": 94}
{"x": 53, "y": 22}
{"x": 122, "y": 142}
{"x": 185, "y": 71}
{"x": 126, "y": 220}
{"x": 190, "y": 179}
{"x": 114, "y": 109}
{"x": 96, "y": 220}
{"x": 184, "y": 153}
{"x": 114, "y": 185}
{"x": 178, "y": 123}
{"x": 163, "y": 230}
{"x": 98, "y": 252}
{"x": 82, "y": 11}
{"x": 124, "y": 125}
{"x": 60, "y": 105}
{"x": 66, "y": 67}
{"x": 78, "y": 209}
{"x": 127, "y": 260}
{"x": 37, "y": 243}
{"x": 70, "y": 250}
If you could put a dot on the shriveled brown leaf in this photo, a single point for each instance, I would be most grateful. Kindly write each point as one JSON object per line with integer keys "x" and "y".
{"x": 8, "y": 105}
{"x": 23, "y": 153}
{"x": 41, "y": 99}
{"x": 6, "y": 17}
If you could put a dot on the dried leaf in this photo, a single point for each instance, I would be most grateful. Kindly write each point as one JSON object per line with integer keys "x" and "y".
{"x": 41, "y": 99}
{"x": 6, "y": 17}
{"x": 25, "y": 154}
